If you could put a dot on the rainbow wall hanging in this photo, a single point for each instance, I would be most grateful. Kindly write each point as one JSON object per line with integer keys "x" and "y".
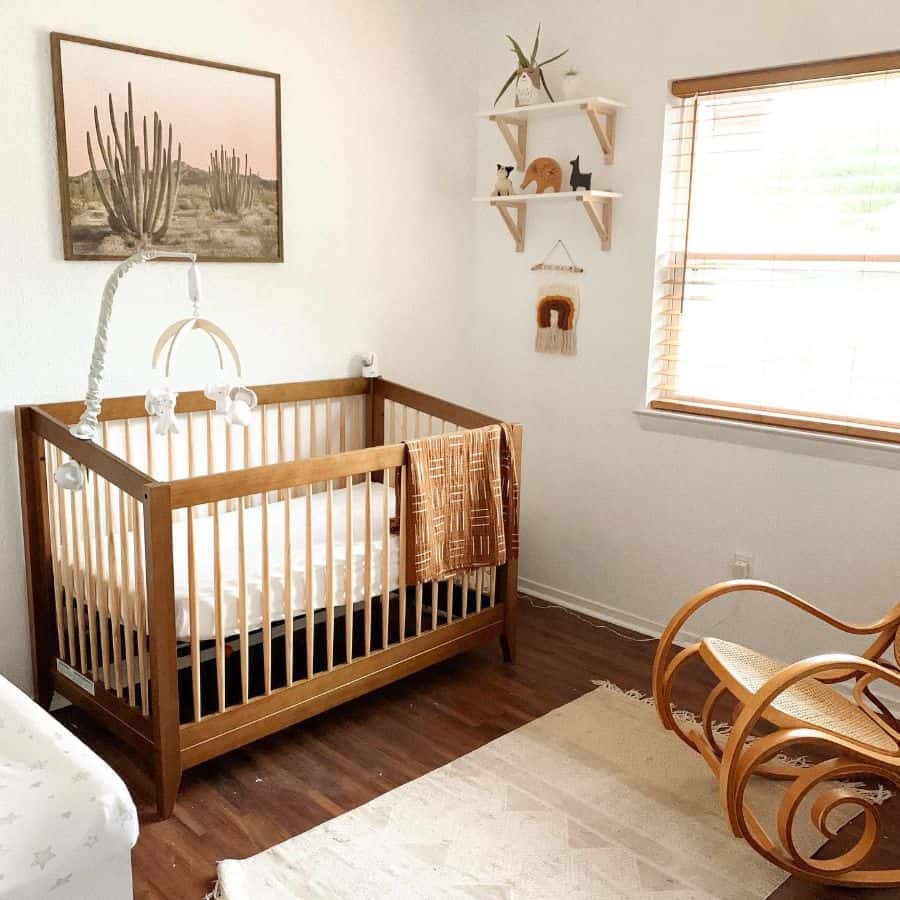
{"x": 557, "y": 312}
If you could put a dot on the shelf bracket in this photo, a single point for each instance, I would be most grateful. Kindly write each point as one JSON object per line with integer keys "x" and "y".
{"x": 600, "y": 214}
{"x": 603, "y": 121}
{"x": 515, "y": 142}
{"x": 515, "y": 225}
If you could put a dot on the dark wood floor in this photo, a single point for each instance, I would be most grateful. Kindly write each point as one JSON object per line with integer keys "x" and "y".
{"x": 251, "y": 799}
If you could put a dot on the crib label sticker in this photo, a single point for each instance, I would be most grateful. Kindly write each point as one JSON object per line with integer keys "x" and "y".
{"x": 75, "y": 676}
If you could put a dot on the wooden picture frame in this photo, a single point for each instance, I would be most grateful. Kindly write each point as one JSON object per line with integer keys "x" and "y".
{"x": 129, "y": 176}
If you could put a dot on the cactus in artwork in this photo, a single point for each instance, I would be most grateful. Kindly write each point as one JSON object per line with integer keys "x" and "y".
{"x": 230, "y": 190}
{"x": 139, "y": 195}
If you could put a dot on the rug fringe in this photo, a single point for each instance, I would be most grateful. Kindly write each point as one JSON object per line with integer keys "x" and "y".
{"x": 876, "y": 795}
{"x": 215, "y": 893}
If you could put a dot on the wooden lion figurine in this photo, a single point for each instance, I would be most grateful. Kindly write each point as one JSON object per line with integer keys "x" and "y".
{"x": 545, "y": 172}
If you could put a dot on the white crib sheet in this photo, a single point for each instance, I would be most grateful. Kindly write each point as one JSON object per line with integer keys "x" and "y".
{"x": 63, "y": 811}
{"x": 203, "y": 554}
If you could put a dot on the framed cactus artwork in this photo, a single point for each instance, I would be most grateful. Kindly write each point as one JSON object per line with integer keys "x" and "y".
{"x": 165, "y": 151}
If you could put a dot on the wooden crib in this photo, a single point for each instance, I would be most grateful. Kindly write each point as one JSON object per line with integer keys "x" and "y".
{"x": 210, "y": 587}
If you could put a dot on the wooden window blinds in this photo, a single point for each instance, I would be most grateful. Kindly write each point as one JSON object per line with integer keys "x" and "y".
{"x": 778, "y": 251}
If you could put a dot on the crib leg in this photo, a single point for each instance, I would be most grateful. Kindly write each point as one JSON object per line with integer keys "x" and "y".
{"x": 168, "y": 780}
{"x": 507, "y": 583}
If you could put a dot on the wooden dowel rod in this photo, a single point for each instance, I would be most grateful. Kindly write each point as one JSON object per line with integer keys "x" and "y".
{"x": 114, "y": 589}
{"x": 348, "y": 563}
{"x": 125, "y": 599}
{"x": 219, "y": 611}
{"x": 434, "y": 605}
{"x": 55, "y": 553}
{"x": 103, "y": 583}
{"x": 194, "y": 613}
{"x": 367, "y": 568}
{"x": 265, "y": 595}
{"x": 401, "y": 567}
{"x": 329, "y": 574}
{"x": 242, "y": 603}
{"x": 288, "y": 595}
{"x": 140, "y": 597}
{"x": 419, "y": 606}
{"x": 90, "y": 577}
{"x": 385, "y": 558}
{"x": 79, "y": 581}
{"x": 308, "y": 579}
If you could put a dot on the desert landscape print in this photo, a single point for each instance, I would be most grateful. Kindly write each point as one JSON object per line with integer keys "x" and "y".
{"x": 165, "y": 152}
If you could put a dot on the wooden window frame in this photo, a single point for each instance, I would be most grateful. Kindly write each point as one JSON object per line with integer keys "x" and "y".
{"x": 838, "y": 426}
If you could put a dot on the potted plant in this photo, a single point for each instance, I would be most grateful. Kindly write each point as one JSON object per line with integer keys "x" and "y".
{"x": 570, "y": 83}
{"x": 528, "y": 75}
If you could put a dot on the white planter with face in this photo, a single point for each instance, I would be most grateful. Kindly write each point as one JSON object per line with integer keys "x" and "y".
{"x": 526, "y": 90}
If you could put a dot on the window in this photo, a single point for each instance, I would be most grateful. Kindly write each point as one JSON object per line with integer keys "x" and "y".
{"x": 778, "y": 261}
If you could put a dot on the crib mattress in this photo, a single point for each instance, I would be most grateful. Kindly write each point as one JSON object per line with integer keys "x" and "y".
{"x": 253, "y": 545}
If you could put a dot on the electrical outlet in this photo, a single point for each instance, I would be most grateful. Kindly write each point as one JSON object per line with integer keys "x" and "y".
{"x": 742, "y": 565}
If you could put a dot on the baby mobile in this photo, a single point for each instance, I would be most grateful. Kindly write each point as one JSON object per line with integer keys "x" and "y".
{"x": 557, "y": 306}
{"x": 232, "y": 399}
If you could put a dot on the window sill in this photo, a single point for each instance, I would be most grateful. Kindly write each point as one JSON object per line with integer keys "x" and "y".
{"x": 863, "y": 451}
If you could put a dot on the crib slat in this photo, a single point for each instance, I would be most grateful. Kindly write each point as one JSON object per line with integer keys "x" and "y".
{"x": 55, "y": 554}
{"x": 451, "y": 583}
{"x": 419, "y": 604}
{"x": 329, "y": 574}
{"x": 64, "y": 498}
{"x": 113, "y": 593}
{"x": 434, "y": 605}
{"x": 282, "y": 495}
{"x": 217, "y": 591}
{"x": 465, "y": 593}
{"x": 148, "y": 428}
{"x": 102, "y": 581}
{"x": 126, "y": 426}
{"x": 194, "y": 612}
{"x": 493, "y": 577}
{"x": 242, "y": 603}
{"x": 309, "y": 577}
{"x": 348, "y": 567}
{"x": 79, "y": 580}
{"x": 342, "y": 424}
{"x": 401, "y": 568}
{"x": 288, "y": 570}
{"x": 328, "y": 426}
{"x": 479, "y": 588}
{"x": 210, "y": 454}
{"x": 90, "y": 581}
{"x": 367, "y": 567}
{"x": 125, "y": 598}
{"x": 140, "y": 595}
{"x": 190, "y": 444}
{"x": 385, "y": 559}
{"x": 170, "y": 446}
{"x": 265, "y": 596}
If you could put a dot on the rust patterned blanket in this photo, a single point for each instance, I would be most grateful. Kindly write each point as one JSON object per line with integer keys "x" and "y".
{"x": 463, "y": 505}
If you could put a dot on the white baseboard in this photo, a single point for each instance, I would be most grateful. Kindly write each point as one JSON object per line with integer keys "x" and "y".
{"x": 615, "y": 616}
{"x": 596, "y": 610}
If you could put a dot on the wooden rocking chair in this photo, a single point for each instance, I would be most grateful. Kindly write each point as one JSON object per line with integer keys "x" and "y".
{"x": 852, "y": 738}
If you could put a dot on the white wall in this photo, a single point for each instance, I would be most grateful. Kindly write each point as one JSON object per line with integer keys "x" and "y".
{"x": 627, "y": 517}
{"x": 378, "y": 149}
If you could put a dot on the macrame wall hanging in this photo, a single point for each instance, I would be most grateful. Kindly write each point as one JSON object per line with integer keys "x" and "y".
{"x": 557, "y": 308}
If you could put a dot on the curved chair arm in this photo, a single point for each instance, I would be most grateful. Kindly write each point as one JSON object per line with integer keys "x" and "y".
{"x": 755, "y": 708}
{"x": 729, "y": 587}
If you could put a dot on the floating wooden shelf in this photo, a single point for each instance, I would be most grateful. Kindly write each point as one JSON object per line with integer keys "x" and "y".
{"x": 597, "y": 205}
{"x": 601, "y": 113}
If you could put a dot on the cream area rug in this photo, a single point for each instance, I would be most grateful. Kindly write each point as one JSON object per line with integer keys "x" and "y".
{"x": 593, "y": 800}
